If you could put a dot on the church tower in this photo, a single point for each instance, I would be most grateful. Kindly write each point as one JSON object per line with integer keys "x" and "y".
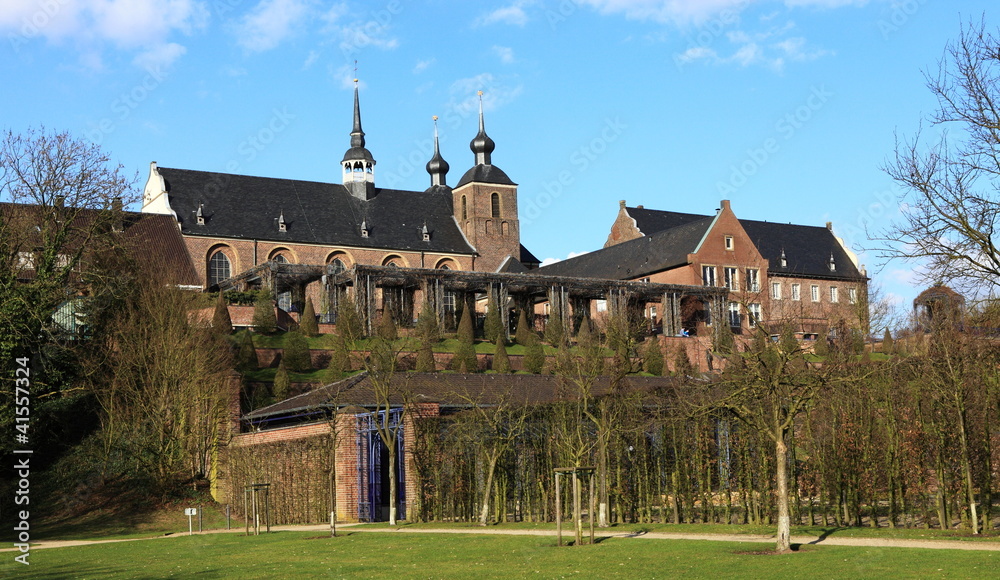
{"x": 358, "y": 163}
{"x": 437, "y": 167}
{"x": 485, "y": 202}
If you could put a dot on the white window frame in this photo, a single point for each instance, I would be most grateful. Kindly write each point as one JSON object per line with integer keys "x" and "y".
{"x": 834, "y": 294}
{"x": 731, "y": 278}
{"x": 753, "y": 315}
{"x": 735, "y": 319}
{"x": 796, "y": 292}
{"x": 814, "y": 292}
{"x": 776, "y": 290}
{"x": 753, "y": 280}
{"x": 852, "y": 295}
{"x": 729, "y": 243}
{"x": 708, "y": 275}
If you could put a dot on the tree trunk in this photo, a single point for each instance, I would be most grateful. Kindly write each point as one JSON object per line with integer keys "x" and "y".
{"x": 783, "y": 541}
{"x": 966, "y": 465}
{"x": 490, "y": 470}
{"x": 393, "y": 494}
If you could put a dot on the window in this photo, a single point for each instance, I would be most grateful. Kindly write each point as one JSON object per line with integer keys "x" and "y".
{"x": 729, "y": 242}
{"x": 731, "y": 282}
{"x": 646, "y": 280}
{"x": 218, "y": 268}
{"x": 734, "y": 314}
{"x": 834, "y": 295}
{"x": 448, "y": 301}
{"x": 495, "y": 205}
{"x": 776, "y": 290}
{"x": 465, "y": 209}
{"x": 796, "y": 294}
{"x": 280, "y": 259}
{"x": 814, "y": 291}
{"x": 708, "y": 275}
{"x": 706, "y": 308}
{"x": 753, "y": 280}
{"x": 754, "y": 315}
{"x": 852, "y": 295}
{"x": 337, "y": 266}
{"x": 652, "y": 313}
{"x": 601, "y": 305}
{"x": 285, "y": 300}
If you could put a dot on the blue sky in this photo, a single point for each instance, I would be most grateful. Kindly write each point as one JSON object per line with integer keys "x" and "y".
{"x": 787, "y": 108}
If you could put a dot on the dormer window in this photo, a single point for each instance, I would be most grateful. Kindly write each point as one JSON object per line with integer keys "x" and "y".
{"x": 199, "y": 216}
{"x": 783, "y": 261}
{"x": 833, "y": 264}
{"x": 282, "y": 226}
{"x": 425, "y": 234}
{"x": 364, "y": 229}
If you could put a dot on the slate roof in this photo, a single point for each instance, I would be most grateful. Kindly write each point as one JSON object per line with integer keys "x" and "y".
{"x": 807, "y": 248}
{"x": 655, "y": 252}
{"x": 246, "y": 207}
{"x": 447, "y": 389}
{"x": 485, "y": 174}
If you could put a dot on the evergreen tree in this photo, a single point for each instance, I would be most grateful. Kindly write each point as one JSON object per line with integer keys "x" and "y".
{"x": 564, "y": 363}
{"x": 264, "y": 321}
{"x": 427, "y": 324}
{"x": 554, "y": 332}
{"x": 296, "y": 353}
{"x": 221, "y": 322}
{"x": 682, "y": 364}
{"x": 425, "y": 356}
{"x": 888, "y": 344}
{"x": 493, "y": 326}
{"x": 724, "y": 341}
{"x": 348, "y": 319}
{"x": 466, "y": 330}
{"x": 281, "y": 382}
{"x": 652, "y": 358}
{"x": 465, "y": 360}
{"x": 307, "y": 322}
{"x": 387, "y": 327}
{"x": 534, "y": 355}
{"x": 583, "y": 334}
{"x": 501, "y": 362}
{"x": 822, "y": 347}
{"x": 340, "y": 358}
{"x": 246, "y": 356}
{"x": 523, "y": 333}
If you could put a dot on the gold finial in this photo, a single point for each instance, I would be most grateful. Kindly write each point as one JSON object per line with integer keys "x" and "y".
{"x": 435, "y": 117}
{"x": 480, "y": 93}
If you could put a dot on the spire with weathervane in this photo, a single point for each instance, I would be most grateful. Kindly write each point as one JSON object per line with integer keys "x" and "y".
{"x": 358, "y": 163}
{"x": 437, "y": 166}
{"x": 481, "y": 144}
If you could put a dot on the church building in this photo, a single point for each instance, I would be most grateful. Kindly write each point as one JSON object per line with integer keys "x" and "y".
{"x": 234, "y": 223}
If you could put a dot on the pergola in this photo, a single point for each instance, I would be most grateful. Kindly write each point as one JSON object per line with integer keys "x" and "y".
{"x": 569, "y": 295}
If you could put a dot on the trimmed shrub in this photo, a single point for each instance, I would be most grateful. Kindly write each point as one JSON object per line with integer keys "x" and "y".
{"x": 387, "y": 328}
{"x": 281, "y": 382}
{"x": 221, "y": 322}
{"x": 466, "y": 331}
{"x": 534, "y": 355}
{"x": 246, "y": 356}
{"x": 492, "y": 326}
{"x": 523, "y": 333}
{"x": 296, "y": 353}
{"x": 307, "y": 322}
{"x": 501, "y": 362}
{"x": 652, "y": 358}
{"x": 427, "y": 324}
{"x": 264, "y": 320}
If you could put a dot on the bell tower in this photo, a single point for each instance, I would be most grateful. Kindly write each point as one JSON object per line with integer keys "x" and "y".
{"x": 358, "y": 163}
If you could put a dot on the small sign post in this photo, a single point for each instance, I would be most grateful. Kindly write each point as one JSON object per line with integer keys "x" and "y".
{"x": 190, "y": 513}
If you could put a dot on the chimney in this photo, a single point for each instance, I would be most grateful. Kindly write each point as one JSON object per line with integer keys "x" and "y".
{"x": 829, "y": 226}
{"x": 621, "y": 204}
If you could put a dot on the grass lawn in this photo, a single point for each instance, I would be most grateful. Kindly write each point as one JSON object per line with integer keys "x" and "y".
{"x": 378, "y": 555}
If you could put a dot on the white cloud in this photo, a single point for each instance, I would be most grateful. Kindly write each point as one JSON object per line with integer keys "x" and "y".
{"x": 675, "y": 11}
{"x": 146, "y": 26}
{"x": 161, "y": 56}
{"x": 269, "y": 23}
{"x": 513, "y": 14}
{"x": 311, "y": 59}
{"x": 497, "y": 92}
{"x": 505, "y": 53}
{"x": 422, "y": 65}
{"x": 344, "y": 75}
{"x": 548, "y": 261}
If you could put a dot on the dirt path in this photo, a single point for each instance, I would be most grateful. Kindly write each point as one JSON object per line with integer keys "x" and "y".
{"x": 803, "y": 540}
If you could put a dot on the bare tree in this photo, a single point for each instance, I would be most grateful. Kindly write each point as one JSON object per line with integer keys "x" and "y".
{"x": 950, "y": 223}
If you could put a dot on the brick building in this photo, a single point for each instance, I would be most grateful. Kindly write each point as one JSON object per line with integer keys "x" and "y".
{"x": 232, "y": 223}
{"x": 776, "y": 273}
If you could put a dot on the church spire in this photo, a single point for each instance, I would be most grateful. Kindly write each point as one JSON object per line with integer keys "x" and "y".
{"x": 437, "y": 166}
{"x": 358, "y": 163}
{"x": 482, "y": 145}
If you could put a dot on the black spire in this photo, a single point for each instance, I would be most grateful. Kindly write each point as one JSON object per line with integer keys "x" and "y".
{"x": 482, "y": 145}
{"x": 437, "y": 166}
{"x": 357, "y": 152}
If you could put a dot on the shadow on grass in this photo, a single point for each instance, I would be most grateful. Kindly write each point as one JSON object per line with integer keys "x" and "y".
{"x": 827, "y": 532}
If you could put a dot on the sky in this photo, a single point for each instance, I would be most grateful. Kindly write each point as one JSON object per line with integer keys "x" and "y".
{"x": 787, "y": 108}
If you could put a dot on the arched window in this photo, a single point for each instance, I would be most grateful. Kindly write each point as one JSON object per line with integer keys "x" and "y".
{"x": 337, "y": 266}
{"x": 280, "y": 259}
{"x": 465, "y": 209}
{"x": 495, "y": 205}
{"x": 218, "y": 268}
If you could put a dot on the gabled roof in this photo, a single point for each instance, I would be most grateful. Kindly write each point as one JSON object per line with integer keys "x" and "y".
{"x": 246, "y": 207}
{"x": 807, "y": 248}
{"x": 527, "y": 258}
{"x": 651, "y": 253}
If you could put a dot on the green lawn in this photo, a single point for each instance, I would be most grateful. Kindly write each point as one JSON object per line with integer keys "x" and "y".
{"x": 379, "y": 555}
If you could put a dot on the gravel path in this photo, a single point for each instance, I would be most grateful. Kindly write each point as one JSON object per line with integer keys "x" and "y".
{"x": 803, "y": 540}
